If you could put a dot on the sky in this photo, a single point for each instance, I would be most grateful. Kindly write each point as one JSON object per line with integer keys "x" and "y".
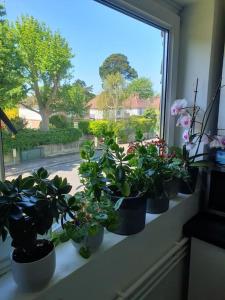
{"x": 95, "y": 31}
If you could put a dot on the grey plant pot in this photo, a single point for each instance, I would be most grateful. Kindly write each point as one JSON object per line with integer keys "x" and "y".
{"x": 91, "y": 242}
{"x": 35, "y": 275}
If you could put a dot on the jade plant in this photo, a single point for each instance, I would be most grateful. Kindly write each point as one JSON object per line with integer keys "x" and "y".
{"x": 124, "y": 179}
{"x": 28, "y": 207}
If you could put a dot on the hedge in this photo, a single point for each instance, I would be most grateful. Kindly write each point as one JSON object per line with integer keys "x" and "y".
{"x": 30, "y": 138}
{"x": 122, "y": 128}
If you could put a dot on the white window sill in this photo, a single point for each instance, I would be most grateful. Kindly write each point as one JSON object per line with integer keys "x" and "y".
{"x": 69, "y": 261}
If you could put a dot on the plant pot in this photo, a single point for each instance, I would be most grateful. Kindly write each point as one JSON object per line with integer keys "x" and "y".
{"x": 131, "y": 215}
{"x": 157, "y": 204}
{"x": 188, "y": 187}
{"x": 92, "y": 242}
{"x": 171, "y": 187}
{"x": 220, "y": 156}
{"x": 34, "y": 275}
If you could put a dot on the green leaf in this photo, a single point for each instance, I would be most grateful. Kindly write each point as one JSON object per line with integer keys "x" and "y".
{"x": 118, "y": 203}
{"x": 85, "y": 252}
{"x": 125, "y": 189}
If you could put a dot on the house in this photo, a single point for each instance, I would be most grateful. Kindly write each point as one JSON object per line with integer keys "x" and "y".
{"x": 31, "y": 118}
{"x": 132, "y": 106}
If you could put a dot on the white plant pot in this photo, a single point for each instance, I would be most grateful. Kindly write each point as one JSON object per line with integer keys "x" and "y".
{"x": 91, "y": 242}
{"x": 35, "y": 275}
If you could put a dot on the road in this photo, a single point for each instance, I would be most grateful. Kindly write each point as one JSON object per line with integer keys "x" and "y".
{"x": 65, "y": 166}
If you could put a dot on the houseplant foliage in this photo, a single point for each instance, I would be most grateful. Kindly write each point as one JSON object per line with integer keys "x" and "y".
{"x": 194, "y": 135}
{"x": 126, "y": 185}
{"x": 91, "y": 208}
{"x": 162, "y": 168}
{"x": 28, "y": 207}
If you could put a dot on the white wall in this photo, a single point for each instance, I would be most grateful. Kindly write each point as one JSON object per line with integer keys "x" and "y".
{"x": 201, "y": 49}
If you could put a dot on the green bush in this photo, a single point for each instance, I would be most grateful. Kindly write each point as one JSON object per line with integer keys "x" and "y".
{"x": 97, "y": 127}
{"x": 30, "y": 138}
{"x": 84, "y": 126}
{"x": 124, "y": 128}
{"x": 60, "y": 121}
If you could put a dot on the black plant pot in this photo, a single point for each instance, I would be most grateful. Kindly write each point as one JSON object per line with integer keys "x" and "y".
{"x": 188, "y": 187}
{"x": 157, "y": 204}
{"x": 131, "y": 215}
{"x": 171, "y": 187}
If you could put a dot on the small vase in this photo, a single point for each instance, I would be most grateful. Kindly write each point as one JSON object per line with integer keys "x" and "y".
{"x": 188, "y": 187}
{"x": 131, "y": 214}
{"x": 92, "y": 242}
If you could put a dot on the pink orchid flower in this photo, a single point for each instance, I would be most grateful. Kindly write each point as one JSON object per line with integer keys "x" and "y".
{"x": 185, "y": 121}
{"x": 178, "y": 107}
{"x": 186, "y": 136}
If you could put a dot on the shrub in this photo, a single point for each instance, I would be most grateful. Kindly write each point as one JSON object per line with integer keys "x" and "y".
{"x": 30, "y": 138}
{"x": 84, "y": 126}
{"x": 60, "y": 121}
{"x": 97, "y": 127}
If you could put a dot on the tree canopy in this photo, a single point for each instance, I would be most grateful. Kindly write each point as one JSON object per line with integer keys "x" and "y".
{"x": 141, "y": 86}
{"x": 117, "y": 63}
{"x": 114, "y": 93}
{"x": 12, "y": 86}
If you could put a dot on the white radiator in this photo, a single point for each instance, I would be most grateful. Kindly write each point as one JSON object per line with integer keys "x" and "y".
{"x": 156, "y": 273}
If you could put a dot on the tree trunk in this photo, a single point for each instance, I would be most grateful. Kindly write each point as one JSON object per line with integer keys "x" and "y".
{"x": 45, "y": 120}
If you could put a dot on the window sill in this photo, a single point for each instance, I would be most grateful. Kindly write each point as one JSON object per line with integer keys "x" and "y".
{"x": 69, "y": 261}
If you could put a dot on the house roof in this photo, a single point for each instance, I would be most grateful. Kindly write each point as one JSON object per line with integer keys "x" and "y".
{"x": 132, "y": 102}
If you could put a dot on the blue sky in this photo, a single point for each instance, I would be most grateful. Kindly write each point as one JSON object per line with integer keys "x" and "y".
{"x": 95, "y": 31}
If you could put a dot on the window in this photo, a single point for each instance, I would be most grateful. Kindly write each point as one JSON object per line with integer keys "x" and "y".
{"x": 100, "y": 37}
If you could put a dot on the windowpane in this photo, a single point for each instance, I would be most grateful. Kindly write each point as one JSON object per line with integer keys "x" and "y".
{"x": 97, "y": 68}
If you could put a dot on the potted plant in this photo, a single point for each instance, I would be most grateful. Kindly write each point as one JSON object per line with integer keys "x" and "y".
{"x": 126, "y": 185}
{"x": 91, "y": 209}
{"x": 163, "y": 167}
{"x": 218, "y": 143}
{"x": 28, "y": 207}
{"x": 86, "y": 228}
{"x": 194, "y": 135}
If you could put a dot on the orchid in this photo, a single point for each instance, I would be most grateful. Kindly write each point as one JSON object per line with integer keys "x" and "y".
{"x": 195, "y": 125}
{"x": 178, "y": 107}
{"x": 186, "y": 121}
{"x": 186, "y": 136}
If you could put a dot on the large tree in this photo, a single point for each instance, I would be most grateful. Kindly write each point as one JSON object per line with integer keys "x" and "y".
{"x": 117, "y": 63}
{"x": 112, "y": 97}
{"x": 46, "y": 61}
{"x": 12, "y": 86}
{"x": 142, "y": 86}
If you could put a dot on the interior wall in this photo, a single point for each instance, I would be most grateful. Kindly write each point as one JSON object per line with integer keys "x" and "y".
{"x": 201, "y": 51}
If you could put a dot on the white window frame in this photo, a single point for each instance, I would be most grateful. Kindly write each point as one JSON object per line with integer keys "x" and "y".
{"x": 164, "y": 15}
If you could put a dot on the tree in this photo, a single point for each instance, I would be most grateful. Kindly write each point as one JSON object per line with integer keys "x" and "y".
{"x": 117, "y": 63}
{"x": 2, "y": 13}
{"x": 113, "y": 95}
{"x": 46, "y": 63}
{"x": 141, "y": 86}
{"x": 74, "y": 98}
{"x": 12, "y": 86}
